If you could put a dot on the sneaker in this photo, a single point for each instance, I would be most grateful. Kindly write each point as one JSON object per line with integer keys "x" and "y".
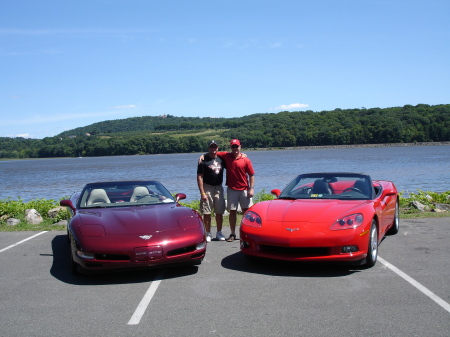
{"x": 208, "y": 237}
{"x": 220, "y": 237}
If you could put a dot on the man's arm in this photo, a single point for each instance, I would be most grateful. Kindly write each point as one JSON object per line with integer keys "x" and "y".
{"x": 222, "y": 154}
{"x": 200, "y": 187}
{"x": 251, "y": 188}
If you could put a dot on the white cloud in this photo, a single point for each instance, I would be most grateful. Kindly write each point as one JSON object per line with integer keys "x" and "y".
{"x": 291, "y": 106}
{"x": 38, "y": 119}
{"x": 130, "y": 106}
{"x": 23, "y": 135}
{"x": 13, "y": 31}
{"x": 276, "y": 45}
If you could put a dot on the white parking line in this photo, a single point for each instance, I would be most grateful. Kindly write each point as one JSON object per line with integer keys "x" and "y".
{"x": 140, "y": 310}
{"x": 18, "y": 243}
{"x": 416, "y": 284}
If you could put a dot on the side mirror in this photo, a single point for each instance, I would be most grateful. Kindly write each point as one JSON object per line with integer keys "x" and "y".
{"x": 388, "y": 192}
{"x": 276, "y": 192}
{"x": 180, "y": 196}
{"x": 67, "y": 203}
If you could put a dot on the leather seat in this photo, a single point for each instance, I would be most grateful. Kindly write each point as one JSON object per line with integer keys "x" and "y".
{"x": 363, "y": 187}
{"x": 321, "y": 187}
{"x": 98, "y": 196}
{"x": 138, "y": 193}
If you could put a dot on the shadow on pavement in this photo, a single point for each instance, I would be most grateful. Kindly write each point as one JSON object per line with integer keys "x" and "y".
{"x": 240, "y": 262}
{"x": 61, "y": 269}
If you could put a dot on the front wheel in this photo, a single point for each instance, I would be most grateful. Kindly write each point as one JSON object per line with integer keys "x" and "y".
{"x": 372, "y": 251}
{"x": 73, "y": 264}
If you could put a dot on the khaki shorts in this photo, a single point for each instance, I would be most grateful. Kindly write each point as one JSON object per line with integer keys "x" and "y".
{"x": 216, "y": 200}
{"x": 236, "y": 198}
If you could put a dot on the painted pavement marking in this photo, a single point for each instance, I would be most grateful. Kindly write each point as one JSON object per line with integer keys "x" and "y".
{"x": 417, "y": 285}
{"x": 18, "y": 243}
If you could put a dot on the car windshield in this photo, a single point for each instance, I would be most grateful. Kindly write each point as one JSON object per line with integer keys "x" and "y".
{"x": 124, "y": 193}
{"x": 344, "y": 186}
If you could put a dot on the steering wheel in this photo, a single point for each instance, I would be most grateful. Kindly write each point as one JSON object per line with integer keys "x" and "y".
{"x": 301, "y": 191}
{"x": 353, "y": 189}
{"x": 139, "y": 197}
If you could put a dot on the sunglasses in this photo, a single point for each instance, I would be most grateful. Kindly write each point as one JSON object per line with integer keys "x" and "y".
{"x": 213, "y": 146}
{"x": 234, "y": 146}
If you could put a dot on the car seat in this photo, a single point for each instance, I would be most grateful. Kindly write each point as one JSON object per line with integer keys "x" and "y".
{"x": 362, "y": 186}
{"x": 138, "y": 193}
{"x": 98, "y": 196}
{"x": 321, "y": 187}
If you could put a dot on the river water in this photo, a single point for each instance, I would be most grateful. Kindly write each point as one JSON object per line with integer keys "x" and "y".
{"x": 410, "y": 167}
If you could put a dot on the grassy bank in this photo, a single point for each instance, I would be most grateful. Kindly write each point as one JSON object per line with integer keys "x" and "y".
{"x": 10, "y": 208}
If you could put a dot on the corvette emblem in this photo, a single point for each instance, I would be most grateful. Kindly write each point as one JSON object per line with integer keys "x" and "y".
{"x": 292, "y": 229}
{"x": 145, "y": 237}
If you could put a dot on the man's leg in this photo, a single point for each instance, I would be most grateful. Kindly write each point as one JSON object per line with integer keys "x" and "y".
{"x": 233, "y": 202}
{"x": 233, "y": 215}
{"x": 219, "y": 222}
{"x": 207, "y": 222}
{"x": 219, "y": 209}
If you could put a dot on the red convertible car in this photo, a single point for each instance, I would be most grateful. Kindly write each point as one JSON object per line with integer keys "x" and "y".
{"x": 132, "y": 224}
{"x": 323, "y": 217}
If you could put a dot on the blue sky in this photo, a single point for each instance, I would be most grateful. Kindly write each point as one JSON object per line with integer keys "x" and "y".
{"x": 66, "y": 64}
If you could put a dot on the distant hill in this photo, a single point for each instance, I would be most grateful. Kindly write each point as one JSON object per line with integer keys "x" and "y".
{"x": 171, "y": 134}
{"x": 149, "y": 124}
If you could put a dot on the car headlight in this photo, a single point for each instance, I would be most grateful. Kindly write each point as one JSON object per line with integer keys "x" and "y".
{"x": 85, "y": 255}
{"x": 348, "y": 222}
{"x": 251, "y": 219}
{"x": 200, "y": 245}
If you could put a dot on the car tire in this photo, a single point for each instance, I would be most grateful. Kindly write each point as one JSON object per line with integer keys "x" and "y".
{"x": 372, "y": 249}
{"x": 197, "y": 263}
{"x": 73, "y": 265}
{"x": 396, "y": 224}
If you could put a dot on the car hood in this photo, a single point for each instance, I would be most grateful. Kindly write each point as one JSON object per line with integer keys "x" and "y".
{"x": 317, "y": 210}
{"x": 142, "y": 219}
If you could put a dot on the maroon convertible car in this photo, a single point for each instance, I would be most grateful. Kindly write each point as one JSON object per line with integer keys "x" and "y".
{"x": 132, "y": 224}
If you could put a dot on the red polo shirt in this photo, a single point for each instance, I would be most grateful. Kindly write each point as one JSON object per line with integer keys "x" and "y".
{"x": 238, "y": 170}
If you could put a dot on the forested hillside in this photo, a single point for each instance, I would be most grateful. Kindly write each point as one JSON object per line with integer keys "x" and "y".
{"x": 170, "y": 134}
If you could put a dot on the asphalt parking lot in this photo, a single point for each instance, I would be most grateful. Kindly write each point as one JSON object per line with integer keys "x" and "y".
{"x": 407, "y": 293}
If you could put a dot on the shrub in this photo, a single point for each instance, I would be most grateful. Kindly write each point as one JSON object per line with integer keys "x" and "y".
{"x": 10, "y": 208}
{"x": 263, "y": 196}
{"x": 427, "y": 198}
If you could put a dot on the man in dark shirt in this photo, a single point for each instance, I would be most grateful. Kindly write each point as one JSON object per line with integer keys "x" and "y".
{"x": 209, "y": 180}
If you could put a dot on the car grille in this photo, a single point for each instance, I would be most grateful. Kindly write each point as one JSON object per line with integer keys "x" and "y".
{"x": 116, "y": 257}
{"x": 180, "y": 251}
{"x": 297, "y": 251}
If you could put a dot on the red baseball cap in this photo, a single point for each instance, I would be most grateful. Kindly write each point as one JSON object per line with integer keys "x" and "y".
{"x": 235, "y": 142}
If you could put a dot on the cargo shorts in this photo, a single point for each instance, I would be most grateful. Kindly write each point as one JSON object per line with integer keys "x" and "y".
{"x": 215, "y": 201}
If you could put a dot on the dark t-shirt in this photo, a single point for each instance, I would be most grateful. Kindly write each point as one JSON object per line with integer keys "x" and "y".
{"x": 212, "y": 170}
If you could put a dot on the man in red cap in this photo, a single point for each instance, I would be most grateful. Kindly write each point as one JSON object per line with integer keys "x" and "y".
{"x": 240, "y": 181}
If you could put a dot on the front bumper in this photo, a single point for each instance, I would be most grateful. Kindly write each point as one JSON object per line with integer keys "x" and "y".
{"x": 313, "y": 249}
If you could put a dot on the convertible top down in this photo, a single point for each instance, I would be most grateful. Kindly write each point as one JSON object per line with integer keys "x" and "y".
{"x": 323, "y": 217}
{"x": 132, "y": 224}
